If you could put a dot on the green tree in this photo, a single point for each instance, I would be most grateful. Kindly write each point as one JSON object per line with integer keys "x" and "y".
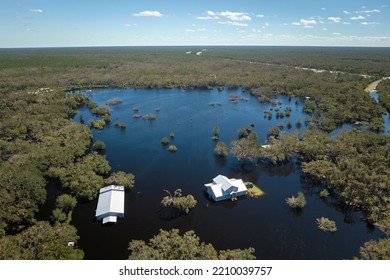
{"x": 164, "y": 141}
{"x": 376, "y": 250}
{"x": 297, "y": 202}
{"x": 120, "y": 178}
{"x": 22, "y": 190}
{"x": 66, "y": 203}
{"x": 170, "y": 245}
{"x": 172, "y": 148}
{"x": 246, "y": 148}
{"x": 99, "y": 145}
{"x": 41, "y": 241}
{"x": 181, "y": 203}
{"x": 221, "y": 149}
{"x": 326, "y": 225}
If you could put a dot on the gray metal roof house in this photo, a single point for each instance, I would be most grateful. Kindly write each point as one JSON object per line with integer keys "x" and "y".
{"x": 111, "y": 204}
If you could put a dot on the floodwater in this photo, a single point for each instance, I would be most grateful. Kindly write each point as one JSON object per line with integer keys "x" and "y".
{"x": 267, "y": 223}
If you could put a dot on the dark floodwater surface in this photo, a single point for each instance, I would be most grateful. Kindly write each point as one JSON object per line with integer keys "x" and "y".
{"x": 266, "y": 223}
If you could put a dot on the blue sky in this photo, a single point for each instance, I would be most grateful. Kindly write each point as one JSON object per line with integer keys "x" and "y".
{"x": 59, "y": 23}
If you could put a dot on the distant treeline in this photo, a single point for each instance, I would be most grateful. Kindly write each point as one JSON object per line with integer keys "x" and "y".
{"x": 336, "y": 97}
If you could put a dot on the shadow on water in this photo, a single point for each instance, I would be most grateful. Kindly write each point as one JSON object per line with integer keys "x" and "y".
{"x": 265, "y": 223}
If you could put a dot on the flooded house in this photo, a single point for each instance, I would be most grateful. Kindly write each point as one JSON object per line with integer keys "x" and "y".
{"x": 223, "y": 188}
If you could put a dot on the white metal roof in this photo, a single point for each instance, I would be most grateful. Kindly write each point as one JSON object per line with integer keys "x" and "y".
{"x": 217, "y": 190}
{"x": 223, "y": 181}
{"x": 239, "y": 184}
{"x": 111, "y": 200}
{"x": 110, "y": 219}
{"x": 221, "y": 184}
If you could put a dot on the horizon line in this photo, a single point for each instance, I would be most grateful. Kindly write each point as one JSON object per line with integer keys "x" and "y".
{"x": 146, "y": 46}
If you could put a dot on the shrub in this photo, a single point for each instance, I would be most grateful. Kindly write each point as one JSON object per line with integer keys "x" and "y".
{"x": 164, "y": 141}
{"x": 172, "y": 148}
{"x": 114, "y": 101}
{"x": 99, "y": 145}
{"x": 273, "y": 131}
{"x": 100, "y": 111}
{"x": 324, "y": 193}
{"x": 121, "y": 178}
{"x": 326, "y": 225}
{"x": 99, "y": 124}
{"x": 181, "y": 203}
{"x": 172, "y": 135}
{"x": 106, "y": 118}
{"x": 297, "y": 202}
{"x": 150, "y": 117}
{"x": 221, "y": 149}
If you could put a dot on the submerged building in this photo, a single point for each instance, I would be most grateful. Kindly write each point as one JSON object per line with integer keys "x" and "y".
{"x": 111, "y": 204}
{"x": 223, "y": 188}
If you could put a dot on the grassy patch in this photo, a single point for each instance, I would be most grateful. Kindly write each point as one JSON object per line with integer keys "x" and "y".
{"x": 255, "y": 191}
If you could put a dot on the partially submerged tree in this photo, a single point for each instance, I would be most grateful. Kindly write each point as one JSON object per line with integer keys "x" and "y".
{"x": 164, "y": 141}
{"x": 99, "y": 145}
{"x": 246, "y": 148}
{"x": 172, "y": 148}
{"x": 297, "y": 202}
{"x": 326, "y": 225}
{"x": 183, "y": 204}
{"x": 120, "y": 178}
{"x": 170, "y": 245}
{"x": 221, "y": 149}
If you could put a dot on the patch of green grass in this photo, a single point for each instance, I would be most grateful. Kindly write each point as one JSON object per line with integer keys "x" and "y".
{"x": 255, "y": 191}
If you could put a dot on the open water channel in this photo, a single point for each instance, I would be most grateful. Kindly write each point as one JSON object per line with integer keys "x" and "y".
{"x": 267, "y": 223}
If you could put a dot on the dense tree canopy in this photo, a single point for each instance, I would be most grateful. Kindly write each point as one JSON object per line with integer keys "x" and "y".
{"x": 170, "y": 245}
{"x": 121, "y": 178}
{"x": 41, "y": 241}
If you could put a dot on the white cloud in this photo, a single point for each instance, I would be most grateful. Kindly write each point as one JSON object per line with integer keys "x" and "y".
{"x": 305, "y": 23}
{"x": 207, "y": 17}
{"x": 369, "y": 23}
{"x": 323, "y": 8}
{"x": 325, "y": 29}
{"x": 39, "y": 11}
{"x": 233, "y": 23}
{"x": 190, "y": 30}
{"x": 334, "y": 19}
{"x": 357, "y": 18}
{"x": 130, "y": 24}
{"x": 233, "y": 16}
{"x": 346, "y": 12}
{"x": 210, "y": 15}
{"x": 369, "y": 11}
{"x": 346, "y": 23}
{"x": 336, "y": 33}
{"x": 260, "y": 16}
{"x": 148, "y": 14}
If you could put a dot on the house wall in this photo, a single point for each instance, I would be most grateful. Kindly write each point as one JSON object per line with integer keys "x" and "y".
{"x": 102, "y": 216}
